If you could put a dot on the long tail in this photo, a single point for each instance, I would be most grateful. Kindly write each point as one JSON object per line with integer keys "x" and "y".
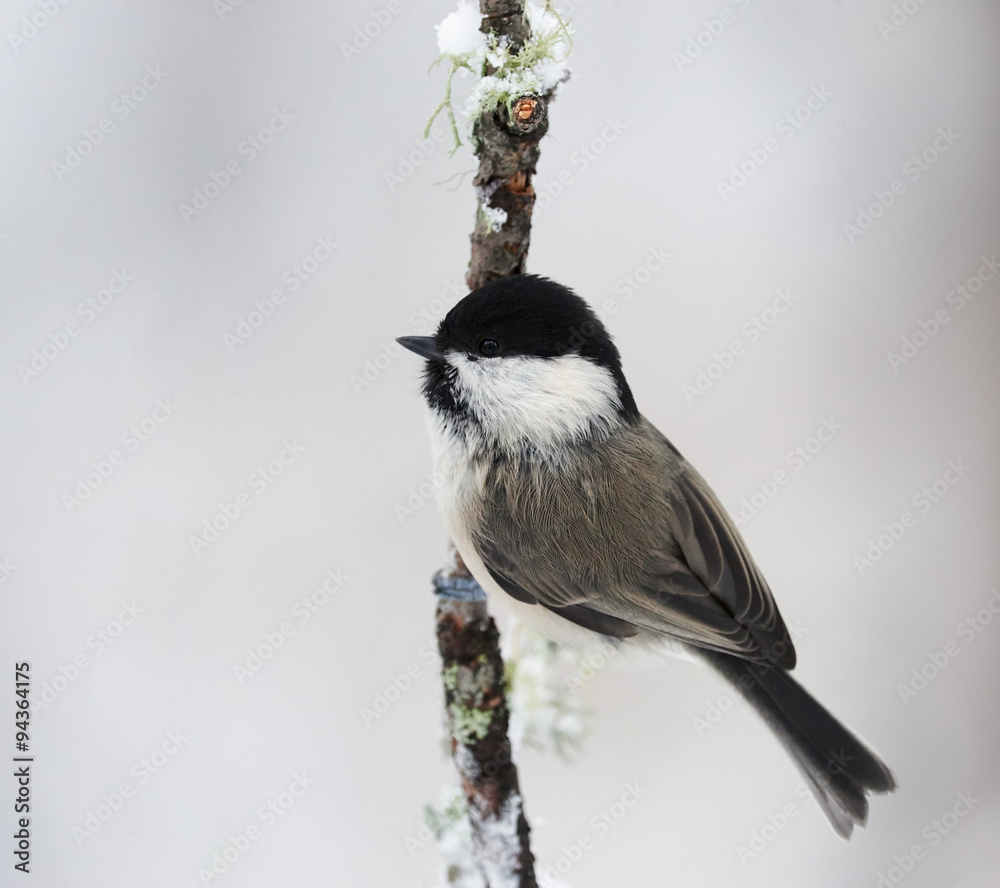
{"x": 839, "y": 768}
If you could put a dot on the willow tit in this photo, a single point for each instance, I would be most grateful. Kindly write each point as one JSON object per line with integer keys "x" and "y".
{"x": 559, "y": 494}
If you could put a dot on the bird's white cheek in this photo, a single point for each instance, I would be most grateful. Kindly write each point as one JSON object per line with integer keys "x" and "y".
{"x": 544, "y": 402}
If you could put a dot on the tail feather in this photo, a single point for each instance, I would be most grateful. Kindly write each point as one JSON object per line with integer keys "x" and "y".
{"x": 839, "y": 768}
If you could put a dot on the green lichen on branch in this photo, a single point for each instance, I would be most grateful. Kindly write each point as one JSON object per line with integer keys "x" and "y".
{"x": 440, "y": 820}
{"x": 505, "y": 70}
{"x": 473, "y": 691}
{"x": 450, "y": 676}
{"x": 478, "y": 722}
{"x": 468, "y": 724}
{"x": 445, "y": 105}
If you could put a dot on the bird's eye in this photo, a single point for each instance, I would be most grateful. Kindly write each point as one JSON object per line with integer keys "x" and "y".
{"x": 489, "y": 348}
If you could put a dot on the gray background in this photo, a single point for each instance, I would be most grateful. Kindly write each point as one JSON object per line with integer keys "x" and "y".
{"x": 335, "y": 506}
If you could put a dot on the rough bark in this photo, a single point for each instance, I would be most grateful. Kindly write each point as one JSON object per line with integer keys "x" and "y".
{"x": 478, "y": 718}
{"x": 506, "y": 143}
{"x": 508, "y": 154}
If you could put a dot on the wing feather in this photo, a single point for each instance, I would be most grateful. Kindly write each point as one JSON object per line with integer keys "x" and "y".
{"x": 689, "y": 575}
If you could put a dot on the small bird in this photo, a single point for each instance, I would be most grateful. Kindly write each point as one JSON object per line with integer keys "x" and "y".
{"x": 559, "y": 494}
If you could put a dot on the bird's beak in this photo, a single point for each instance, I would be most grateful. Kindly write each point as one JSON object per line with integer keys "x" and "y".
{"x": 425, "y": 346}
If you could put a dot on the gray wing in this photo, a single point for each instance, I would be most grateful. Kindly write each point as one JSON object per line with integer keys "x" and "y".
{"x": 716, "y": 555}
{"x": 661, "y": 554}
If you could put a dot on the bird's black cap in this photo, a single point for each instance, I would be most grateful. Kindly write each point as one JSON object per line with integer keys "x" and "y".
{"x": 523, "y": 314}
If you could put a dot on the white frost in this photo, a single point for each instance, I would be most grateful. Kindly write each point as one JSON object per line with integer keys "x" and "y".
{"x": 466, "y": 762}
{"x": 538, "y": 68}
{"x": 547, "y": 710}
{"x": 550, "y": 72}
{"x": 499, "y": 846}
{"x": 459, "y": 33}
{"x": 455, "y": 842}
{"x": 543, "y": 23}
{"x": 495, "y": 217}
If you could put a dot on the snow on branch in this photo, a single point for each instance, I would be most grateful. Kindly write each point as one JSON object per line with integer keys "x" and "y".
{"x": 516, "y": 52}
{"x": 506, "y": 67}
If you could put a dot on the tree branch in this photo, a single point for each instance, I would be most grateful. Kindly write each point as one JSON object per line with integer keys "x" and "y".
{"x": 508, "y": 154}
{"x": 506, "y": 143}
{"x": 478, "y": 718}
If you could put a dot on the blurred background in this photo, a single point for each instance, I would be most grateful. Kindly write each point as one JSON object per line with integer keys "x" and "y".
{"x": 218, "y": 527}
